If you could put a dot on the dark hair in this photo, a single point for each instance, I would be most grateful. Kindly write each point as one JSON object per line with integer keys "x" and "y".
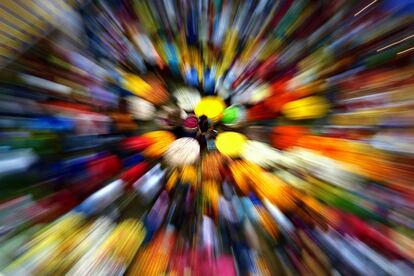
{"x": 203, "y": 123}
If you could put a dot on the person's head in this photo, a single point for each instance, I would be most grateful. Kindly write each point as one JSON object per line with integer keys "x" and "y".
{"x": 203, "y": 123}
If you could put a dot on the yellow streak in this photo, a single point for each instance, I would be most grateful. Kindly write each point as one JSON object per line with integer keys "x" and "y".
{"x": 366, "y": 7}
{"x": 395, "y": 43}
{"x": 405, "y": 51}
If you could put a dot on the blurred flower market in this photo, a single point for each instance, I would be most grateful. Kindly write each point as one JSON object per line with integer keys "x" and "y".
{"x": 206, "y": 137}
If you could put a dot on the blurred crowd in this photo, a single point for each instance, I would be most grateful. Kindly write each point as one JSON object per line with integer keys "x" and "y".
{"x": 206, "y": 137}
